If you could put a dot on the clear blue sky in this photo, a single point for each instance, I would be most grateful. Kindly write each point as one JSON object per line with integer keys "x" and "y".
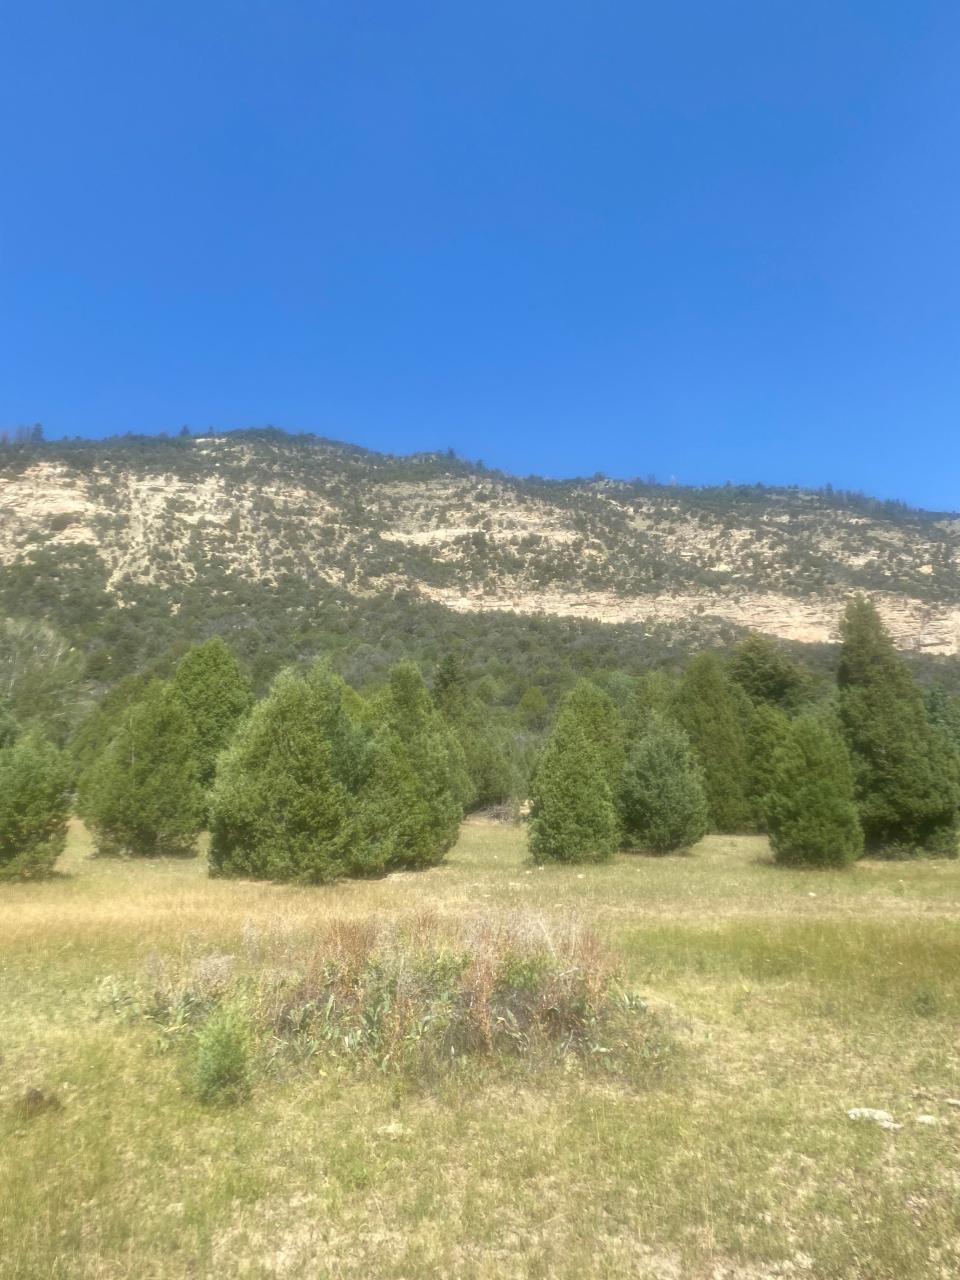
{"x": 713, "y": 240}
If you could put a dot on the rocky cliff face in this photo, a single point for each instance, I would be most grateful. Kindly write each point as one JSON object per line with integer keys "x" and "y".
{"x": 267, "y": 508}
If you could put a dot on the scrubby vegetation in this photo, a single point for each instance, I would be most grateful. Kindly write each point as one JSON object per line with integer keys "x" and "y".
{"x": 415, "y": 995}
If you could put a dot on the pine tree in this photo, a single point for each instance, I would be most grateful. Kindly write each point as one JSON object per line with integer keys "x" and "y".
{"x": 278, "y": 809}
{"x": 142, "y": 794}
{"x": 572, "y": 816}
{"x": 907, "y": 789}
{"x": 34, "y": 806}
{"x": 216, "y": 695}
{"x": 708, "y": 710}
{"x": 809, "y": 809}
{"x": 663, "y": 801}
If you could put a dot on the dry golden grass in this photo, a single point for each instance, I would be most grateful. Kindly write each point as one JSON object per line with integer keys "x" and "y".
{"x": 796, "y": 995}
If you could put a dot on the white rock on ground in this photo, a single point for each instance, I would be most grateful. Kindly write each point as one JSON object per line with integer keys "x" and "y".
{"x": 881, "y": 1118}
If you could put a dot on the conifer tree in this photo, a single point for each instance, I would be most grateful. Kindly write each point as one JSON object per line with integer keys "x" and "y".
{"x": 708, "y": 710}
{"x": 768, "y": 727}
{"x": 809, "y": 809}
{"x": 406, "y": 711}
{"x": 279, "y": 810}
{"x": 602, "y": 726}
{"x": 485, "y": 750}
{"x": 34, "y": 799}
{"x": 907, "y": 789}
{"x": 653, "y": 694}
{"x": 572, "y": 816}
{"x": 663, "y": 801}
{"x": 216, "y": 695}
{"x": 142, "y": 795}
{"x": 396, "y": 823}
{"x": 766, "y": 675}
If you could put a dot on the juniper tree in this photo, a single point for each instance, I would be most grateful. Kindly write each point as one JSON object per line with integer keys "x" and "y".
{"x": 142, "y": 795}
{"x": 768, "y": 728}
{"x": 405, "y": 710}
{"x": 708, "y": 710}
{"x": 278, "y": 809}
{"x": 216, "y": 695}
{"x": 907, "y": 788}
{"x": 602, "y": 726}
{"x": 662, "y": 801}
{"x": 34, "y": 805}
{"x": 809, "y": 810}
{"x": 766, "y": 674}
{"x": 485, "y": 748}
{"x": 572, "y": 815}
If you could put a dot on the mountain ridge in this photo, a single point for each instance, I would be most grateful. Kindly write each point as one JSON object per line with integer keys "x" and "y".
{"x": 266, "y": 507}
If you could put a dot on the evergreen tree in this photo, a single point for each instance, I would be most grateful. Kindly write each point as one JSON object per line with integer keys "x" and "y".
{"x": 34, "y": 800}
{"x": 907, "y": 788}
{"x": 406, "y": 711}
{"x": 769, "y": 726}
{"x": 663, "y": 801}
{"x": 216, "y": 695}
{"x": 653, "y": 694}
{"x": 142, "y": 795}
{"x": 572, "y": 816}
{"x": 396, "y": 821}
{"x": 809, "y": 809}
{"x": 602, "y": 726}
{"x": 279, "y": 810}
{"x": 485, "y": 748}
{"x": 767, "y": 676}
{"x": 708, "y": 710}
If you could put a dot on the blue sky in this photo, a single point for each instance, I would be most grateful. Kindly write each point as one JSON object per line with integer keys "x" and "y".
{"x": 702, "y": 240}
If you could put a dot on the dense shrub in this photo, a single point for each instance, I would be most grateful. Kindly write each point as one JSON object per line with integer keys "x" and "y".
{"x": 662, "y": 799}
{"x": 34, "y": 799}
{"x": 809, "y": 809}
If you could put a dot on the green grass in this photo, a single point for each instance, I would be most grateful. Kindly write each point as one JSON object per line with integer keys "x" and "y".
{"x": 795, "y": 996}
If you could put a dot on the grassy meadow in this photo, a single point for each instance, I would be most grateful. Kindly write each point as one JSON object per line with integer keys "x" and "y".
{"x": 791, "y": 997}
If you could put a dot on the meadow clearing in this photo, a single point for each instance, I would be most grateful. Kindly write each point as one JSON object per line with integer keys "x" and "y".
{"x": 791, "y": 997}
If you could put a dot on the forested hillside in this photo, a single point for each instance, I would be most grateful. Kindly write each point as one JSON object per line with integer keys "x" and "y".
{"x": 116, "y": 554}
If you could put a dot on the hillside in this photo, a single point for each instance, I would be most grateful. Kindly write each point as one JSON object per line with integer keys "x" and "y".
{"x": 258, "y": 523}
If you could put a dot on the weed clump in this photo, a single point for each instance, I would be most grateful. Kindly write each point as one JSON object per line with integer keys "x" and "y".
{"x": 414, "y": 996}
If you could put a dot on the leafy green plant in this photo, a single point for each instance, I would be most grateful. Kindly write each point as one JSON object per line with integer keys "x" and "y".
{"x": 222, "y": 1066}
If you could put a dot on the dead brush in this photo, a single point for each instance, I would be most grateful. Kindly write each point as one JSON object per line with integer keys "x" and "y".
{"x": 424, "y": 990}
